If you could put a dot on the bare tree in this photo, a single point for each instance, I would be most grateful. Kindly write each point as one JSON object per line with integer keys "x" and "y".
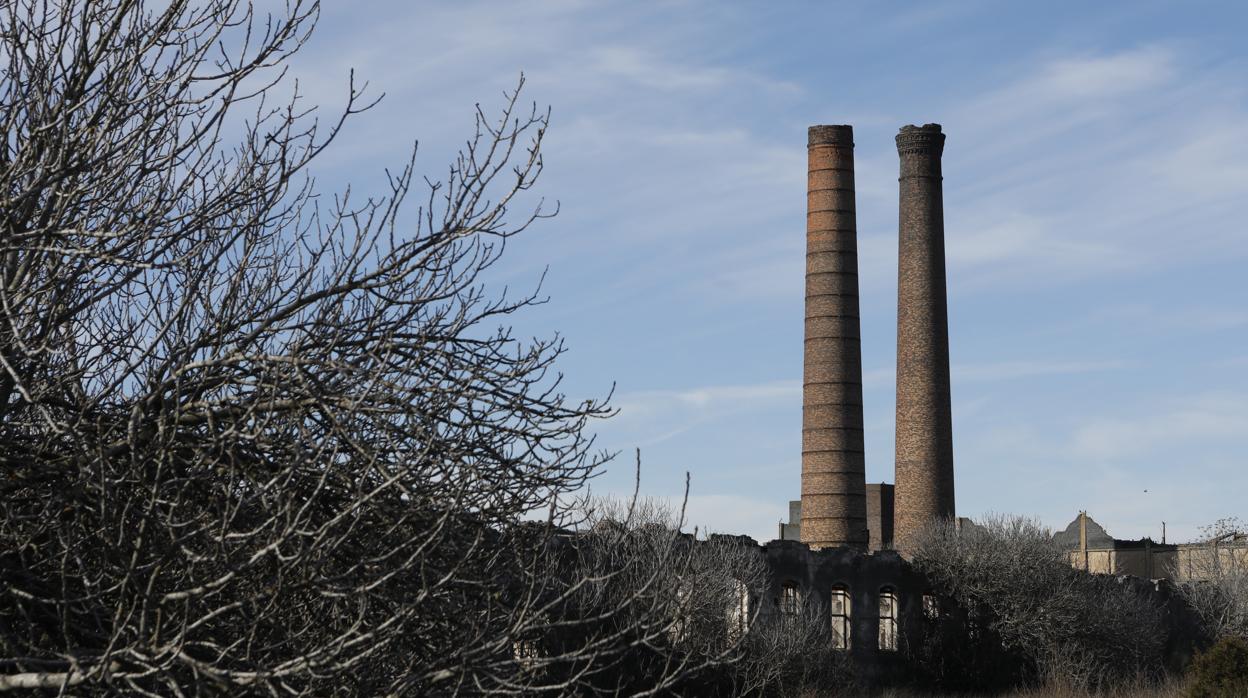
{"x": 1214, "y": 578}
{"x": 258, "y": 441}
{"x": 671, "y": 610}
{"x": 707, "y": 620}
{"x": 1017, "y": 585}
{"x": 794, "y": 655}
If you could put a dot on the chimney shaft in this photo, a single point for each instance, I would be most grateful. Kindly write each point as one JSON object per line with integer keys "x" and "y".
{"x": 924, "y": 465}
{"x": 833, "y": 467}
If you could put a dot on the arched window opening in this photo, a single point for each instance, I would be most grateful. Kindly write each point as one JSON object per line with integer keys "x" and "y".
{"x": 840, "y": 606}
{"x": 790, "y": 602}
{"x": 678, "y": 631}
{"x": 526, "y": 645}
{"x": 888, "y": 619}
{"x": 931, "y": 607}
{"x": 739, "y": 610}
{"x": 526, "y": 652}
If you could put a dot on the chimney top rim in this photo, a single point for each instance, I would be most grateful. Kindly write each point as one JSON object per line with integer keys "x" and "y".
{"x": 925, "y": 140}
{"x": 830, "y": 134}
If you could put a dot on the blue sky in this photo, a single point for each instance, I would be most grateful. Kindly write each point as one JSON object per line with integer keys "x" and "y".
{"x": 1096, "y": 192}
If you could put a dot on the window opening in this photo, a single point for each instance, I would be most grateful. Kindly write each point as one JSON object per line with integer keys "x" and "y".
{"x": 840, "y": 606}
{"x": 678, "y": 631}
{"x": 888, "y": 619}
{"x": 790, "y": 602}
{"x": 739, "y": 610}
{"x": 526, "y": 653}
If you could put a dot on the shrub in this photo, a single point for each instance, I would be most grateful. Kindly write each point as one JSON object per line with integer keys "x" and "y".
{"x": 1215, "y": 580}
{"x": 1221, "y": 672}
{"x": 1038, "y": 619}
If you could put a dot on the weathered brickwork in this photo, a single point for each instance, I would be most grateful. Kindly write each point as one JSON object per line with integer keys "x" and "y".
{"x": 864, "y": 577}
{"x": 833, "y": 466}
{"x": 924, "y": 465}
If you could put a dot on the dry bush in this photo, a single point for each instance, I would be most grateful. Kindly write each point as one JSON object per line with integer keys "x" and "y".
{"x": 1216, "y": 584}
{"x": 655, "y": 605}
{"x": 1135, "y": 689}
{"x": 255, "y": 439}
{"x": 1065, "y": 626}
{"x": 1144, "y": 688}
{"x": 1221, "y": 671}
{"x": 793, "y": 656}
{"x": 701, "y": 611}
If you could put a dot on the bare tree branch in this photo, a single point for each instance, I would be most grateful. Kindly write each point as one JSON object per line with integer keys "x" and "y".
{"x": 260, "y": 441}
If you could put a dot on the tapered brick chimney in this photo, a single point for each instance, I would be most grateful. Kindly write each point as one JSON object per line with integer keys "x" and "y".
{"x": 833, "y": 466}
{"x": 924, "y": 475}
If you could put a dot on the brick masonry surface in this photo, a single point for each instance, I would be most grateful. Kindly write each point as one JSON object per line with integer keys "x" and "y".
{"x": 924, "y": 465}
{"x": 833, "y": 466}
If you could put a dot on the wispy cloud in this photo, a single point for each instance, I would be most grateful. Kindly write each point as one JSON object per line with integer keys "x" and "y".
{"x": 1196, "y": 421}
{"x": 1211, "y": 319}
{"x": 1092, "y": 78}
{"x": 1002, "y": 371}
{"x": 1012, "y": 370}
{"x": 1014, "y": 236}
{"x": 707, "y": 401}
{"x": 1097, "y": 159}
{"x": 645, "y": 68}
{"x": 1061, "y": 94}
{"x": 1084, "y": 170}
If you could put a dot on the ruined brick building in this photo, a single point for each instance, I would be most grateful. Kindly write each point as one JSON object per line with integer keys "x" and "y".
{"x": 847, "y": 542}
{"x": 846, "y": 539}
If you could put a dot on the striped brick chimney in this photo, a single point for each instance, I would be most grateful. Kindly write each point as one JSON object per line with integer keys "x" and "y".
{"x": 833, "y": 467}
{"x": 924, "y": 465}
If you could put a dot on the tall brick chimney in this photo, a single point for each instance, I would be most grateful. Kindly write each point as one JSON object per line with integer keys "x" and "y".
{"x": 833, "y": 467}
{"x": 924, "y": 476}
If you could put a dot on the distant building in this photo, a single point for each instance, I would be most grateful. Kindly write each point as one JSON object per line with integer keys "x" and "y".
{"x": 879, "y": 518}
{"x": 792, "y": 530}
{"x": 1091, "y": 548}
